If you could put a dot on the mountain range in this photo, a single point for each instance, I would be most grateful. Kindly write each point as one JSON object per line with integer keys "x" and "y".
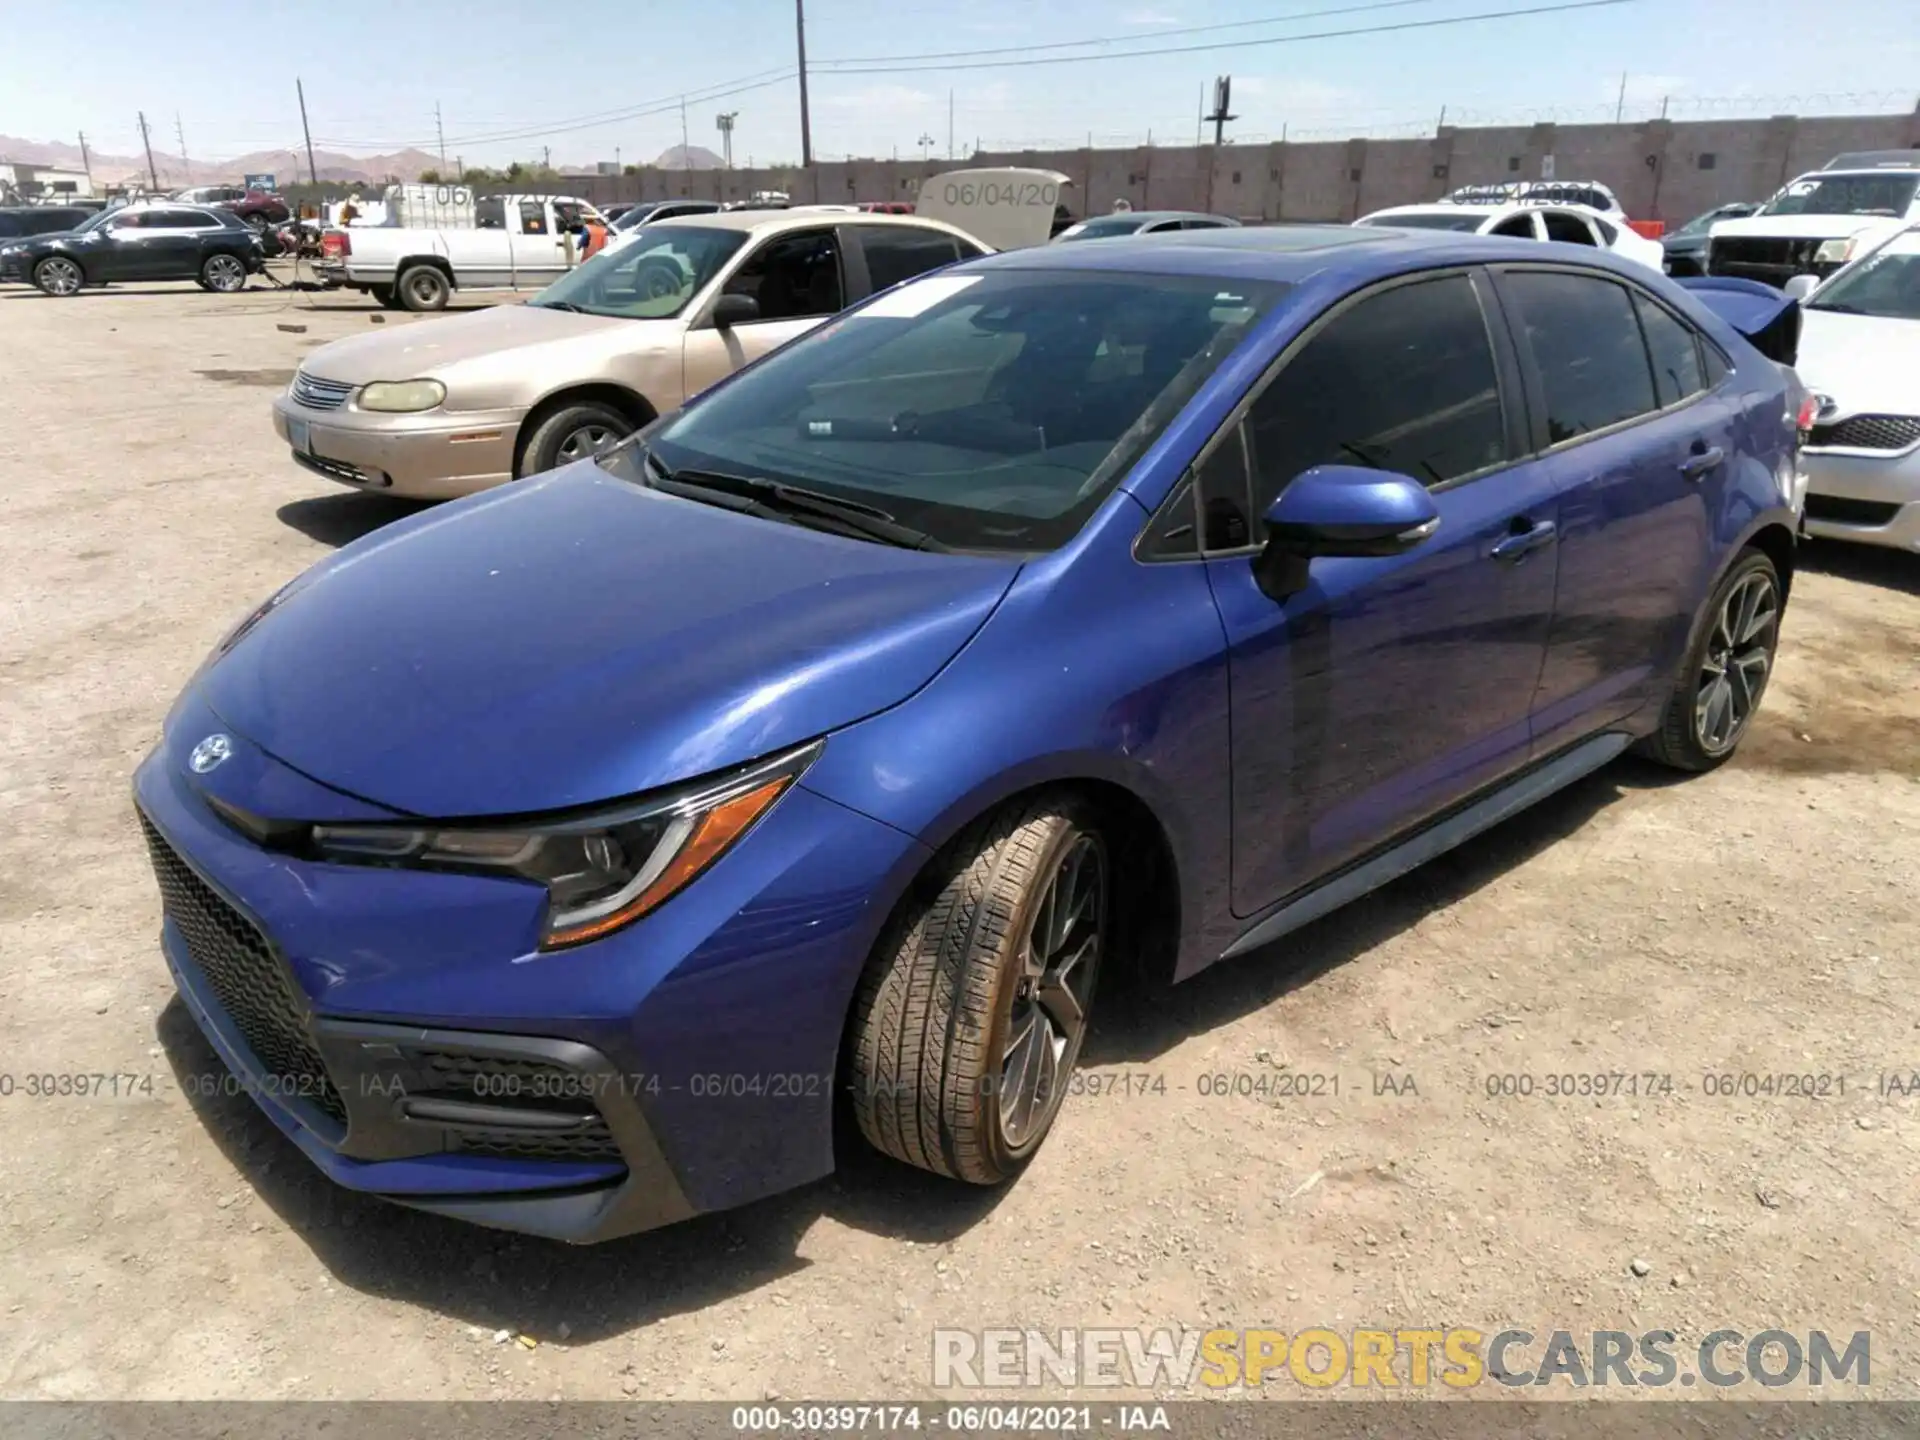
{"x": 284, "y": 165}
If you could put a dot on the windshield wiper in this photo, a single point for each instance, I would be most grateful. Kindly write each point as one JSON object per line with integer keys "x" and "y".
{"x": 777, "y": 498}
{"x": 559, "y": 305}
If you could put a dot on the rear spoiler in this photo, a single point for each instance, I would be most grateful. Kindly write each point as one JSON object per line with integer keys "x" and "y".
{"x": 1769, "y": 319}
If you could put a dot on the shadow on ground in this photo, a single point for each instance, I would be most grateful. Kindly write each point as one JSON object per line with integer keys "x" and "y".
{"x": 1866, "y": 564}
{"x": 497, "y": 1280}
{"x": 343, "y": 518}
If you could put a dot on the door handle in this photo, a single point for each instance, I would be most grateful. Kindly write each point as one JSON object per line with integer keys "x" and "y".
{"x": 1701, "y": 461}
{"x": 1516, "y": 547}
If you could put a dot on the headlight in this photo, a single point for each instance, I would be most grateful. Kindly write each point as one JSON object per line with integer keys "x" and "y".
{"x": 601, "y": 871}
{"x": 402, "y": 396}
{"x": 1834, "y": 252}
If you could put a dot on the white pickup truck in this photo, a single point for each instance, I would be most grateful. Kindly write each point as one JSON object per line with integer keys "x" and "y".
{"x": 517, "y": 242}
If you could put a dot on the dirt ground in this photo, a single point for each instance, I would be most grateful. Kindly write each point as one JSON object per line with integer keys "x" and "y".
{"x": 1760, "y": 919}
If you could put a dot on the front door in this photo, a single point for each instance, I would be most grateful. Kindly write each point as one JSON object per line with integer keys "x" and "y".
{"x": 1388, "y": 688}
{"x": 539, "y": 253}
{"x": 169, "y": 246}
{"x": 1639, "y": 449}
{"x": 797, "y": 280}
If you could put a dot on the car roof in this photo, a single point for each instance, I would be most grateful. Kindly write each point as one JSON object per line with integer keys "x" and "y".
{"x": 1298, "y": 253}
{"x": 795, "y": 219}
{"x": 1491, "y": 212}
{"x": 1875, "y": 160}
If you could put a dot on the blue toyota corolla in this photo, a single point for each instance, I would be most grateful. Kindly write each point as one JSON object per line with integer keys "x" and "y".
{"x": 567, "y": 858}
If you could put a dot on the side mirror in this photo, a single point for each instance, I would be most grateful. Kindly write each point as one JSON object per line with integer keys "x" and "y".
{"x": 1801, "y": 286}
{"x": 731, "y": 310}
{"x": 1340, "y": 510}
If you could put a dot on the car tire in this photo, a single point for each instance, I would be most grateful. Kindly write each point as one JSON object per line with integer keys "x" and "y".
{"x": 58, "y": 276}
{"x": 385, "y": 296}
{"x": 573, "y": 432}
{"x": 964, "y": 1035}
{"x": 424, "y": 287}
{"x": 1726, "y": 671}
{"x": 223, "y": 274}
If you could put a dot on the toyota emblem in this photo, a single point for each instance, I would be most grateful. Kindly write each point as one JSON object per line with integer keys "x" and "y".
{"x": 209, "y": 753}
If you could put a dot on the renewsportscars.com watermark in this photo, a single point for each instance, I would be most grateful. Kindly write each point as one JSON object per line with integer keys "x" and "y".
{"x": 1454, "y": 1358}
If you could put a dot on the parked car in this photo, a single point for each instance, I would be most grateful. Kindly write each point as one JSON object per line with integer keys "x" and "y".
{"x": 17, "y": 222}
{"x": 1860, "y": 355}
{"x": 497, "y": 394}
{"x": 635, "y": 218}
{"x": 146, "y": 240}
{"x": 1588, "y": 194}
{"x": 1528, "y": 220}
{"x": 1085, "y": 606}
{"x": 1143, "y": 222}
{"x": 1685, "y": 250}
{"x": 517, "y": 242}
{"x": 258, "y": 208}
{"x": 1816, "y": 224}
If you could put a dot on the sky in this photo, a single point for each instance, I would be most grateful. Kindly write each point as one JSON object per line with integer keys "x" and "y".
{"x": 590, "y": 80}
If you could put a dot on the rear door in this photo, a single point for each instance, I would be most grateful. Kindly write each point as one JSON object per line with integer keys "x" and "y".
{"x": 538, "y": 252}
{"x": 796, "y": 277}
{"x": 1638, "y": 447}
{"x": 882, "y": 256}
{"x": 1389, "y": 688}
{"x": 170, "y": 243}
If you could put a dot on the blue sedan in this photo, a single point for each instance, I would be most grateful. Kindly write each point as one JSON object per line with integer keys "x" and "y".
{"x": 569, "y": 858}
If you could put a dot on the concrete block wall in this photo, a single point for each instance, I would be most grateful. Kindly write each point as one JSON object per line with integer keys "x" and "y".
{"x": 1661, "y": 170}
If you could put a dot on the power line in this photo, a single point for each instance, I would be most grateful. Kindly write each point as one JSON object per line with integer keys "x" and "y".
{"x": 1133, "y": 39}
{"x": 1238, "y": 44}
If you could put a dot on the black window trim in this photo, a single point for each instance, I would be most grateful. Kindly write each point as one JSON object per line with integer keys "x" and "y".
{"x": 852, "y": 239}
{"x": 1515, "y": 406}
{"x": 1535, "y": 390}
{"x": 702, "y": 311}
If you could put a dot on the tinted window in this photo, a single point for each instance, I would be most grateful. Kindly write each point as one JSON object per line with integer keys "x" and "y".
{"x": 490, "y": 213}
{"x": 994, "y": 410}
{"x": 177, "y": 220}
{"x": 1607, "y": 233}
{"x": 533, "y": 217}
{"x": 792, "y": 276}
{"x": 1586, "y": 345}
{"x": 1226, "y": 506}
{"x": 1203, "y": 224}
{"x": 1675, "y": 355}
{"x": 1567, "y": 229}
{"x": 900, "y": 253}
{"x": 1402, "y": 381}
{"x": 1517, "y": 227}
{"x": 1464, "y": 221}
{"x": 1106, "y": 225}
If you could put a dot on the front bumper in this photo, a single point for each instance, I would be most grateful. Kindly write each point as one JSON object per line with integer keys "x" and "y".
{"x": 1872, "y": 499}
{"x": 435, "y": 455}
{"x": 405, "y": 1032}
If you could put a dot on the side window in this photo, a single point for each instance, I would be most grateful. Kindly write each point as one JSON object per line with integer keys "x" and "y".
{"x": 899, "y": 252}
{"x": 1567, "y": 229}
{"x": 178, "y": 220}
{"x": 1173, "y": 535}
{"x": 533, "y": 217}
{"x": 490, "y": 213}
{"x": 1675, "y": 354}
{"x": 792, "y": 276}
{"x": 1608, "y": 235}
{"x": 1516, "y": 227}
{"x": 567, "y": 216}
{"x": 1403, "y": 381}
{"x": 1585, "y": 343}
{"x": 1716, "y": 364}
{"x": 1226, "y": 502}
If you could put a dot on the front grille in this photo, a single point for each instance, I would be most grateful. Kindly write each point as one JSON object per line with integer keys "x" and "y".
{"x": 520, "y": 1085}
{"x": 592, "y": 1144}
{"x": 1772, "y": 262}
{"x": 1841, "y": 511}
{"x": 1869, "y": 432}
{"x": 342, "y": 471}
{"x": 249, "y": 979}
{"x": 317, "y": 394}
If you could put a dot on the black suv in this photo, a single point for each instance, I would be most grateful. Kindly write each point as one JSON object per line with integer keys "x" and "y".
{"x": 161, "y": 240}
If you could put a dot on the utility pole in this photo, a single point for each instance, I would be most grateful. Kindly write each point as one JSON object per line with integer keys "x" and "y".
{"x": 1620, "y": 107}
{"x": 313, "y": 170}
{"x": 926, "y": 146}
{"x": 441, "y": 131}
{"x": 86, "y": 161}
{"x": 1443, "y": 121}
{"x": 686, "y": 149}
{"x": 1222, "y": 96}
{"x": 725, "y": 124}
{"x": 806, "y": 123}
{"x": 152, "y": 177}
{"x": 949, "y": 124}
{"x": 180, "y": 134}
{"x": 546, "y": 157}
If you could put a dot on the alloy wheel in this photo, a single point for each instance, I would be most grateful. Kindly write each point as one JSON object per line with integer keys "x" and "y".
{"x": 1059, "y": 957}
{"x": 225, "y": 274}
{"x": 1738, "y": 658}
{"x": 59, "y": 277}
{"x": 584, "y": 442}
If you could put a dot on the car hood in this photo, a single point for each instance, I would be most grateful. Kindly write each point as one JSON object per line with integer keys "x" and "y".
{"x": 480, "y": 339}
{"x": 1868, "y": 364}
{"x": 579, "y": 638}
{"x": 1796, "y": 227}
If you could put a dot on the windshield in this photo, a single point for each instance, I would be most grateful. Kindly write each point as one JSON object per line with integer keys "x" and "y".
{"x": 994, "y": 411}
{"x": 653, "y": 278}
{"x": 1429, "y": 220}
{"x": 95, "y": 222}
{"x": 1700, "y": 224}
{"x": 1845, "y": 195}
{"x": 1884, "y": 285}
{"x": 1106, "y": 227}
{"x": 637, "y": 216}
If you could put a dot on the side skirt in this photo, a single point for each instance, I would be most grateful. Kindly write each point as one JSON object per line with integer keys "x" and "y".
{"x": 1442, "y": 835}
